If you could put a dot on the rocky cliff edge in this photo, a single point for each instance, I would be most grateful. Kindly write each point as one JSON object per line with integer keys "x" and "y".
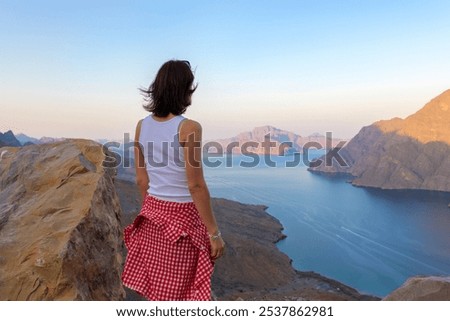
{"x": 60, "y": 233}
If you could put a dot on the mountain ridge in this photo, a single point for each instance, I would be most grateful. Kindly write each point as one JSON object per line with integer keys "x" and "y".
{"x": 410, "y": 153}
{"x": 285, "y": 142}
{"x": 430, "y": 123}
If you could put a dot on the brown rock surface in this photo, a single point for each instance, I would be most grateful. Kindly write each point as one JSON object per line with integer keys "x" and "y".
{"x": 429, "y": 288}
{"x": 252, "y": 268}
{"x": 60, "y": 234}
{"x": 410, "y": 153}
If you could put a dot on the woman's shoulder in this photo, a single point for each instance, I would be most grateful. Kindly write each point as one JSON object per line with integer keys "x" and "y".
{"x": 139, "y": 124}
{"x": 190, "y": 125}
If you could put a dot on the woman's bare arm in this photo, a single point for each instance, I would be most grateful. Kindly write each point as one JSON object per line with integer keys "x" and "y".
{"x": 190, "y": 138}
{"x": 142, "y": 179}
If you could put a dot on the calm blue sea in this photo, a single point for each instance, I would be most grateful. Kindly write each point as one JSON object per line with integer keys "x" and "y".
{"x": 370, "y": 239}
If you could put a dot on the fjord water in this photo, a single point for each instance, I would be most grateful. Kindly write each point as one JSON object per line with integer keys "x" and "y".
{"x": 370, "y": 239}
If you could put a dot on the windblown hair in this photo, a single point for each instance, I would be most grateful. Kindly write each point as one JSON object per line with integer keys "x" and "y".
{"x": 171, "y": 90}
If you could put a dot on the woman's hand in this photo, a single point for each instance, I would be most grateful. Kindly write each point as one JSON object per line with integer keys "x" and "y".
{"x": 217, "y": 247}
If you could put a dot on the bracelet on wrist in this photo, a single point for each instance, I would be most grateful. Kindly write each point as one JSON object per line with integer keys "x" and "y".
{"x": 215, "y": 236}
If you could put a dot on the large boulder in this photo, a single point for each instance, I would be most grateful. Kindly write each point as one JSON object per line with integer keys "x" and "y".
{"x": 60, "y": 234}
{"x": 426, "y": 288}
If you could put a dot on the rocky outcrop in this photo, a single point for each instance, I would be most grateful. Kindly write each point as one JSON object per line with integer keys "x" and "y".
{"x": 8, "y": 139}
{"x": 252, "y": 268}
{"x": 284, "y": 142}
{"x": 60, "y": 233}
{"x": 410, "y": 153}
{"x": 429, "y": 288}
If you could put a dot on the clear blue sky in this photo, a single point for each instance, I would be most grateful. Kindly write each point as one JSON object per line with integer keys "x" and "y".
{"x": 72, "y": 68}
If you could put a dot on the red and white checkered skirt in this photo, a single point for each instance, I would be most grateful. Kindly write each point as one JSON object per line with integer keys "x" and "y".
{"x": 168, "y": 253}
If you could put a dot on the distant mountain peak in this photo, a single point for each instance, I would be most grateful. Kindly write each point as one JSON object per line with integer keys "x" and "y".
{"x": 316, "y": 134}
{"x": 8, "y": 139}
{"x": 25, "y": 139}
{"x": 279, "y": 136}
{"x": 267, "y": 128}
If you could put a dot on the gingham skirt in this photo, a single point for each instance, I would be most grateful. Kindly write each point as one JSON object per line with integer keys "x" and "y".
{"x": 168, "y": 253}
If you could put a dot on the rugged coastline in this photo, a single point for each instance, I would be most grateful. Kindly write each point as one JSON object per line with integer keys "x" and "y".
{"x": 62, "y": 212}
{"x": 253, "y": 267}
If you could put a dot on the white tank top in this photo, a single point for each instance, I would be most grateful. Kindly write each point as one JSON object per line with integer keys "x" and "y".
{"x": 164, "y": 159}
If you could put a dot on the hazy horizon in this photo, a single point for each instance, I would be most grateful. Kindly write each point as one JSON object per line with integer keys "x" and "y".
{"x": 206, "y": 139}
{"x": 73, "y": 69}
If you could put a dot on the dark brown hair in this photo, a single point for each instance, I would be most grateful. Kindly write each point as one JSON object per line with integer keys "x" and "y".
{"x": 171, "y": 90}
